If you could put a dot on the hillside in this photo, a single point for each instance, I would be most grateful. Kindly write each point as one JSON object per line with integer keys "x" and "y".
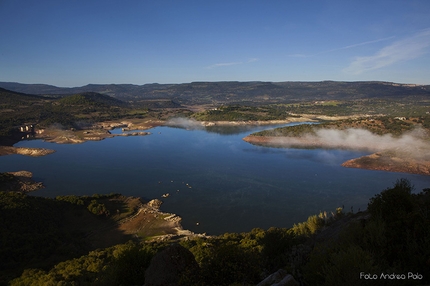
{"x": 33, "y": 88}
{"x": 90, "y": 98}
{"x": 244, "y": 93}
{"x": 18, "y": 109}
{"x": 392, "y": 236}
{"x": 41, "y": 232}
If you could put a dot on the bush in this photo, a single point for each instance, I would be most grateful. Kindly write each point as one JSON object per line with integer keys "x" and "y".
{"x": 75, "y": 200}
{"x": 393, "y": 204}
{"x": 230, "y": 263}
{"x": 97, "y": 208}
{"x": 338, "y": 266}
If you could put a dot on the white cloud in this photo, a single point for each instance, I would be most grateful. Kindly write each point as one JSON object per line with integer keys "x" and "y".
{"x": 406, "y": 49}
{"x": 224, "y": 65}
{"x": 338, "y": 49}
{"x": 252, "y": 60}
{"x": 300, "y": 56}
{"x": 231, "y": 63}
{"x": 359, "y": 44}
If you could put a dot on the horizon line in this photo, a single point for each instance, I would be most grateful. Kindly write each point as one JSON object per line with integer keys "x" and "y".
{"x": 218, "y": 81}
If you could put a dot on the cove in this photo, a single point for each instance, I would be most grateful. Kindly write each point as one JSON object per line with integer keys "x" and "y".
{"x": 213, "y": 177}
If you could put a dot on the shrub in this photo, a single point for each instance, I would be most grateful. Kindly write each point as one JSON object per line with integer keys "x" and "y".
{"x": 76, "y": 200}
{"x": 332, "y": 266}
{"x": 97, "y": 208}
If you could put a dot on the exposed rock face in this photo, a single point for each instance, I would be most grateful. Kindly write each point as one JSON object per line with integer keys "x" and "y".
{"x": 34, "y": 152}
{"x": 155, "y": 203}
{"x": 279, "y": 278}
{"x": 171, "y": 266}
{"x": 20, "y": 182}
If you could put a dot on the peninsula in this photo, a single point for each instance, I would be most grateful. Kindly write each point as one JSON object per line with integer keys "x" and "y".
{"x": 401, "y": 144}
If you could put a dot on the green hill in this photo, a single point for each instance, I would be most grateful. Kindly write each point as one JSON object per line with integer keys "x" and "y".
{"x": 91, "y": 99}
{"x": 19, "y": 108}
{"x": 11, "y": 97}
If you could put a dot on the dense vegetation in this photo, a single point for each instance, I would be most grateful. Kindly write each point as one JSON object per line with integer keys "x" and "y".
{"x": 39, "y": 232}
{"x": 393, "y": 236}
{"x": 370, "y": 106}
{"x": 242, "y": 113}
{"x": 90, "y": 98}
{"x": 396, "y": 239}
{"x": 367, "y": 107}
{"x": 68, "y": 112}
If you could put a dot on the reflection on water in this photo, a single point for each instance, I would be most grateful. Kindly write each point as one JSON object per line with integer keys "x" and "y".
{"x": 219, "y": 181}
{"x": 238, "y": 129}
{"x": 229, "y": 130}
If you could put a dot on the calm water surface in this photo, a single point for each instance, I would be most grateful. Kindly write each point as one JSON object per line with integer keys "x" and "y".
{"x": 213, "y": 178}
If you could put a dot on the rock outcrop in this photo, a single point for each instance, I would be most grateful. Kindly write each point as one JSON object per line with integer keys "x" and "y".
{"x": 19, "y": 182}
{"x": 155, "y": 203}
{"x": 34, "y": 152}
{"x": 279, "y": 278}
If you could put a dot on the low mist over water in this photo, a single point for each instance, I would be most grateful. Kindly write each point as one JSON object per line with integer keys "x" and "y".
{"x": 214, "y": 179}
{"x": 413, "y": 142}
{"x": 185, "y": 123}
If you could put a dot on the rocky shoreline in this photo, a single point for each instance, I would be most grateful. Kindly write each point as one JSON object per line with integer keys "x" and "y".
{"x": 391, "y": 163}
{"x": 97, "y": 132}
{"x": 257, "y": 122}
{"x": 21, "y": 181}
{"x": 33, "y": 152}
{"x": 148, "y": 220}
{"x": 100, "y": 131}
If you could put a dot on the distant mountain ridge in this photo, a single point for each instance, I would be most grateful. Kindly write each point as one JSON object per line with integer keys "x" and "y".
{"x": 7, "y": 95}
{"x": 234, "y": 92}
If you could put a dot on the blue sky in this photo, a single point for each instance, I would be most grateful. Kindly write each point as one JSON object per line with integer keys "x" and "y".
{"x": 74, "y": 43}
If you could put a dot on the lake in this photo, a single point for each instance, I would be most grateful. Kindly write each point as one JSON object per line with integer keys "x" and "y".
{"x": 213, "y": 177}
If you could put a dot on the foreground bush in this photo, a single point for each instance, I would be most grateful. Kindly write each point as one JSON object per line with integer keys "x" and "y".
{"x": 394, "y": 241}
